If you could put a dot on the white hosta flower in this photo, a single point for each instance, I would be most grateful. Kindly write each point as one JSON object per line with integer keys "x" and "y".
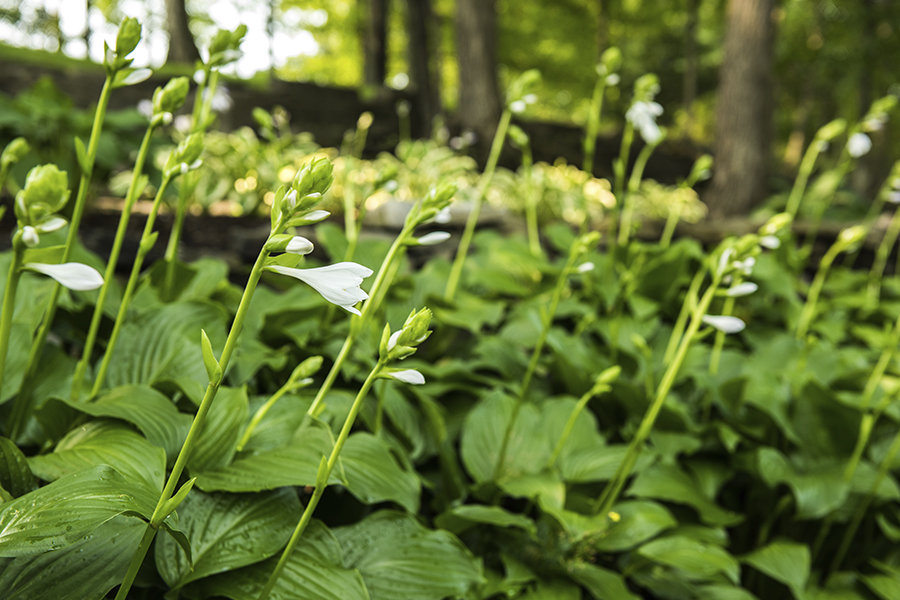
{"x": 443, "y": 216}
{"x": 392, "y": 341}
{"x": 137, "y": 76}
{"x": 894, "y": 197}
{"x": 51, "y": 224}
{"x": 30, "y": 236}
{"x": 145, "y": 107}
{"x": 770, "y": 241}
{"x": 518, "y": 107}
{"x": 299, "y": 245}
{"x": 724, "y": 260}
{"x": 612, "y": 79}
{"x": 643, "y": 116}
{"x": 858, "y": 145}
{"x": 435, "y": 237}
{"x": 742, "y": 289}
{"x": 75, "y": 276}
{"x": 585, "y": 267}
{"x": 745, "y": 266}
{"x": 724, "y": 323}
{"x": 407, "y": 376}
{"x": 338, "y": 283}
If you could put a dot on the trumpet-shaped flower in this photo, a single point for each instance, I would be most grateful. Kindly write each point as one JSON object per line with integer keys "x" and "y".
{"x": 435, "y": 237}
{"x": 742, "y": 289}
{"x": 299, "y": 245}
{"x": 337, "y": 283}
{"x": 643, "y": 115}
{"x": 724, "y": 323}
{"x": 858, "y": 145}
{"x": 75, "y": 276}
{"x": 406, "y": 376}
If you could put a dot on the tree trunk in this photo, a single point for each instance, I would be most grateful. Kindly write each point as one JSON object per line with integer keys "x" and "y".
{"x": 182, "y": 48}
{"x": 476, "y": 50}
{"x": 422, "y": 72}
{"x": 744, "y": 110}
{"x": 375, "y": 45}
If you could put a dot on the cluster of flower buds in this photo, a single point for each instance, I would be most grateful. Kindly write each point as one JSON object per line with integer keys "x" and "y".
{"x": 609, "y": 65}
{"x": 45, "y": 194}
{"x": 769, "y": 234}
{"x": 643, "y": 111}
{"x": 185, "y": 157}
{"x": 701, "y": 171}
{"x": 225, "y": 46}
{"x": 127, "y": 39}
{"x": 850, "y": 238}
{"x": 14, "y": 152}
{"x": 520, "y": 93}
{"x": 168, "y": 99}
{"x": 435, "y": 206}
{"x": 403, "y": 343}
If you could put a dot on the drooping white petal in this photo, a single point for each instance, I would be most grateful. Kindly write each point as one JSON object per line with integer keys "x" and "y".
{"x": 137, "y": 76}
{"x": 858, "y": 145}
{"x": 408, "y": 376}
{"x": 393, "y": 339}
{"x": 742, "y": 289}
{"x": 518, "y": 106}
{"x": 299, "y": 245}
{"x": 435, "y": 237}
{"x": 443, "y": 216}
{"x": 75, "y": 276}
{"x": 770, "y": 241}
{"x": 338, "y": 283}
{"x": 585, "y": 267}
{"x": 51, "y": 224}
{"x": 725, "y": 323}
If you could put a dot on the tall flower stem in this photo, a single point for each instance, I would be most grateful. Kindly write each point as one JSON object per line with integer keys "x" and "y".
{"x": 619, "y": 167}
{"x": 322, "y": 478}
{"x": 815, "y": 289}
{"x": 614, "y": 486}
{"x": 146, "y": 243}
{"x": 806, "y": 168}
{"x": 22, "y": 402}
{"x": 881, "y": 258}
{"x": 531, "y": 201}
{"x": 690, "y": 301}
{"x": 9, "y": 301}
{"x": 593, "y": 124}
{"x": 634, "y": 183}
{"x": 820, "y": 208}
{"x": 575, "y": 252}
{"x": 159, "y": 514}
{"x": 719, "y": 343}
{"x": 665, "y": 240}
{"x": 109, "y": 276}
{"x": 357, "y": 323}
{"x": 472, "y": 221}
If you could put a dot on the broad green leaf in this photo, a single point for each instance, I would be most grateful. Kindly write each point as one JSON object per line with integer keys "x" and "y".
{"x": 218, "y": 439}
{"x": 602, "y": 584}
{"x": 293, "y": 464}
{"x": 84, "y": 570}
{"x": 280, "y": 423}
{"x": 555, "y": 413}
{"x": 669, "y": 482}
{"x": 15, "y": 475}
{"x": 401, "y": 560}
{"x": 554, "y": 589}
{"x": 162, "y": 346}
{"x": 104, "y": 442}
{"x": 544, "y": 487}
{"x": 373, "y": 475}
{"x": 784, "y": 561}
{"x": 61, "y": 513}
{"x": 599, "y": 463}
{"x": 152, "y": 412}
{"x": 724, "y": 592}
{"x": 883, "y": 586}
{"x": 466, "y": 516}
{"x": 16, "y": 359}
{"x": 637, "y": 521}
{"x": 818, "y": 492}
{"x": 527, "y": 450}
{"x": 227, "y": 531}
{"x": 696, "y": 559}
{"x": 314, "y": 571}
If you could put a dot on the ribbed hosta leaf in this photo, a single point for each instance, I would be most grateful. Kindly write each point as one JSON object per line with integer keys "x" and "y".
{"x": 15, "y": 475}
{"x": 61, "y": 513}
{"x": 227, "y": 531}
{"x": 401, "y": 560}
{"x": 218, "y": 438}
{"x": 314, "y": 571}
{"x": 373, "y": 475}
{"x": 84, "y": 570}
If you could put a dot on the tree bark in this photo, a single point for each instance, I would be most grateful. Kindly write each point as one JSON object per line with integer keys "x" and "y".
{"x": 744, "y": 110}
{"x": 182, "y": 48}
{"x": 422, "y": 67}
{"x": 476, "y": 50}
{"x": 375, "y": 45}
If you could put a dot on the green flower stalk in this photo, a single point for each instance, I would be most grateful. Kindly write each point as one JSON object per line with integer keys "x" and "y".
{"x": 118, "y": 74}
{"x": 726, "y": 265}
{"x": 641, "y": 116}
{"x": 394, "y": 347}
{"x": 520, "y": 139}
{"x": 818, "y": 145}
{"x": 579, "y": 247}
{"x": 699, "y": 172}
{"x": 634, "y": 182}
{"x": 300, "y": 378}
{"x": 687, "y": 308}
{"x": 607, "y": 75}
{"x": 876, "y": 273}
{"x": 601, "y": 385}
{"x": 847, "y": 239}
{"x": 224, "y": 49}
{"x": 289, "y": 210}
{"x": 165, "y": 101}
{"x": 182, "y": 160}
{"x": 45, "y": 194}
{"x": 437, "y": 200}
{"x": 516, "y": 102}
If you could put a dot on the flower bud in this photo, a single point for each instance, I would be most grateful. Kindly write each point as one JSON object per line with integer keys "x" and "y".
{"x": 852, "y": 236}
{"x": 831, "y": 130}
{"x": 309, "y": 218}
{"x": 30, "y": 236}
{"x": 725, "y": 323}
{"x": 611, "y": 59}
{"x": 14, "y": 151}
{"x": 170, "y": 98}
{"x": 403, "y": 343}
{"x": 307, "y": 368}
{"x": 410, "y": 376}
{"x": 433, "y": 238}
{"x": 314, "y": 178}
{"x": 128, "y": 37}
{"x": 46, "y": 191}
